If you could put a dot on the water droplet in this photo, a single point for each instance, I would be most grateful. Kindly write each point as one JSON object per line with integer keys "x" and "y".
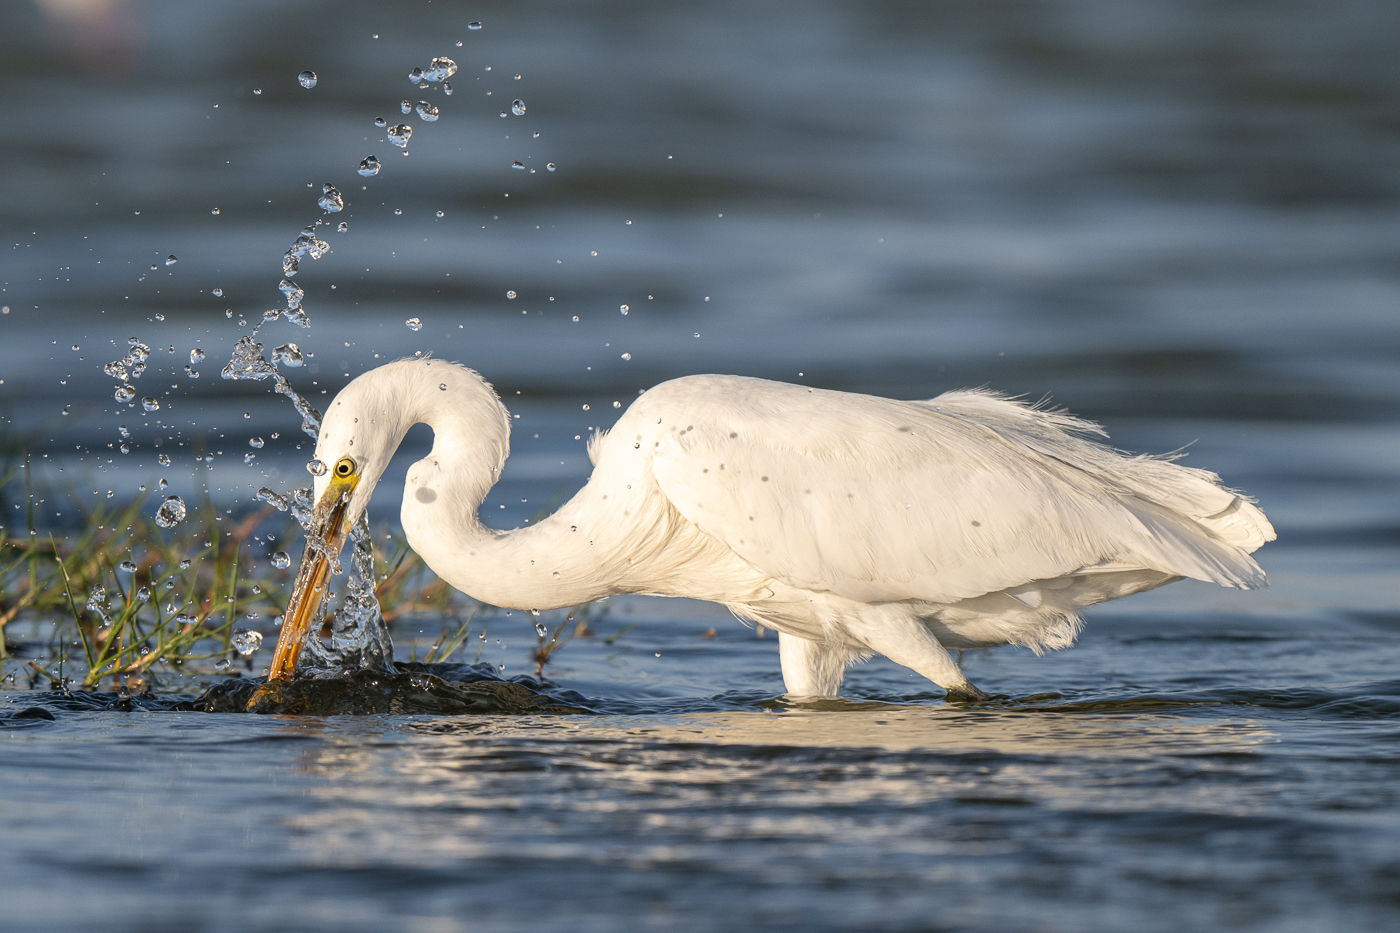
{"x": 617, "y": 404}
{"x": 399, "y": 135}
{"x": 413, "y": 324}
{"x": 125, "y": 448}
{"x": 164, "y": 483}
{"x": 185, "y": 564}
{"x": 518, "y": 165}
{"x": 625, "y": 309}
{"x": 196, "y": 355}
{"x": 342, "y": 227}
{"x": 504, "y": 114}
{"x": 510, "y": 294}
{"x": 97, "y": 599}
{"x": 557, "y": 574}
{"x": 440, "y": 214}
{"x": 124, "y": 393}
{"x": 316, "y": 468}
{"x": 256, "y": 442}
{"x": 281, "y": 560}
{"x": 307, "y": 79}
{"x": 585, "y": 408}
{"x": 540, "y": 628}
{"x": 288, "y": 355}
{"x": 473, "y": 26}
{"x": 426, "y": 111}
{"x": 517, "y": 107}
{"x": 369, "y": 166}
{"x": 380, "y": 122}
{"x": 215, "y": 212}
{"x": 245, "y": 642}
{"x": 406, "y": 106}
{"x": 154, "y": 267}
{"x": 143, "y": 595}
{"x": 171, "y": 260}
{"x": 249, "y": 457}
{"x": 126, "y": 566}
{"x": 221, "y": 664}
{"x": 122, "y": 430}
{"x": 163, "y": 459}
{"x": 447, "y": 86}
{"x": 626, "y": 356}
{"x": 171, "y": 512}
{"x": 550, "y": 166}
{"x": 442, "y": 386}
{"x": 150, "y": 404}
{"x": 218, "y": 293}
{"x": 398, "y": 212}
{"x": 330, "y": 200}
{"x": 257, "y": 91}
{"x": 416, "y": 77}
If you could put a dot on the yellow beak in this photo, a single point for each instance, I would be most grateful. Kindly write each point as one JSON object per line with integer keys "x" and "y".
{"x": 324, "y": 539}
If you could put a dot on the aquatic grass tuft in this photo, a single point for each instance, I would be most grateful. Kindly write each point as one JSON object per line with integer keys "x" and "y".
{"x": 119, "y": 598}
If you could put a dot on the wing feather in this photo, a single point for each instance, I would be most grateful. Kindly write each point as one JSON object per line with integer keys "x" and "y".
{"x": 963, "y": 495}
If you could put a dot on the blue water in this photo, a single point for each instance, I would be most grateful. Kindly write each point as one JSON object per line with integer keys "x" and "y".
{"x": 1180, "y": 220}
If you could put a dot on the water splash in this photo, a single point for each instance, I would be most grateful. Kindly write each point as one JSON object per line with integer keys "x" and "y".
{"x": 245, "y": 641}
{"x": 331, "y": 200}
{"x": 399, "y": 136}
{"x": 248, "y": 362}
{"x": 171, "y": 512}
{"x": 359, "y": 637}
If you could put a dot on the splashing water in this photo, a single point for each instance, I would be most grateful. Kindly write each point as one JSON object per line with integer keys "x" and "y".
{"x": 288, "y": 354}
{"x": 330, "y": 200}
{"x": 248, "y": 362}
{"x": 245, "y": 641}
{"x": 399, "y": 135}
{"x": 171, "y": 512}
{"x": 359, "y": 638}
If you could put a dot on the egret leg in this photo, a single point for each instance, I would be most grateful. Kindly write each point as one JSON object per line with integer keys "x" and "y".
{"x": 907, "y": 641}
{"x": 811, "y": 669}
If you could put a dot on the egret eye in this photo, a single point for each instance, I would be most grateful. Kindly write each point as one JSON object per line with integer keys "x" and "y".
{"x": 344, "y": 467}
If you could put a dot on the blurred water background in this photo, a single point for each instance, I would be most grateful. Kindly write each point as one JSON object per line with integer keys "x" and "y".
{"x": 1174, "y": 217}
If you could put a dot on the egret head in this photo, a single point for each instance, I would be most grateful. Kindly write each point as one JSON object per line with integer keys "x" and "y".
{"x": 359, "y": 434}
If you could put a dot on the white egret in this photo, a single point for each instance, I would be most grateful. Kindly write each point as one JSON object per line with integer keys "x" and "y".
{"x": 850, "y": 524}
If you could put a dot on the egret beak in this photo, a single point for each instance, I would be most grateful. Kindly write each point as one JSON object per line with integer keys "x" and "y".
{"x": 324, "y": 539}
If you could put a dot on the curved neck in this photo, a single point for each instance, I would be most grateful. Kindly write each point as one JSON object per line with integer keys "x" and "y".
{"x": 538, "y": 567}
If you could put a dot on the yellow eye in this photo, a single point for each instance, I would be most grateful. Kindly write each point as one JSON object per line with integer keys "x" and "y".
{"x": 344, "y": 467}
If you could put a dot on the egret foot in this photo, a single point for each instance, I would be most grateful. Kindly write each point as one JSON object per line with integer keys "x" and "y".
{"x": 966, "y": 693}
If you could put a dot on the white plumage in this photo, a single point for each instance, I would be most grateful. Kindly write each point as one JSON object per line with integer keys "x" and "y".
{"x": 849, "y": 523}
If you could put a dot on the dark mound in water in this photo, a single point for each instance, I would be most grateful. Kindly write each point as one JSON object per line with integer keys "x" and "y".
{"x": 365, "y": 692}
{"x": 415, "y": 689}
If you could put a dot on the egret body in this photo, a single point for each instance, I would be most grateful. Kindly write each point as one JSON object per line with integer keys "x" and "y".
{"x": 850, "y": 524}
